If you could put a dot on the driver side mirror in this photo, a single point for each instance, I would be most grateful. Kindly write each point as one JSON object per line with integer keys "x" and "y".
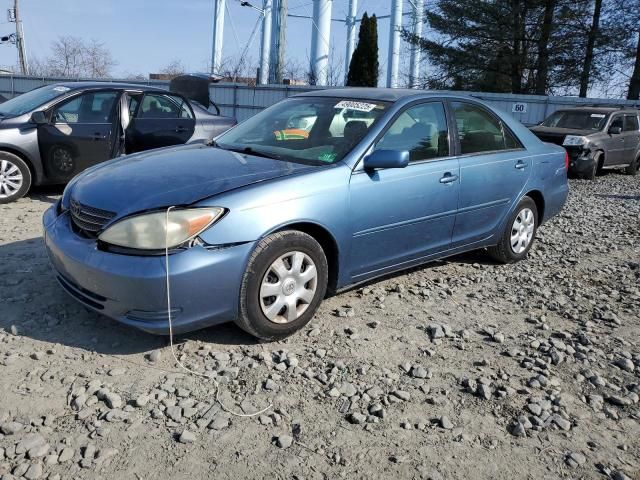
{"x": 386, "y": 159}
{"x": 39, "y": 118}
{"x": 615, "y": 130}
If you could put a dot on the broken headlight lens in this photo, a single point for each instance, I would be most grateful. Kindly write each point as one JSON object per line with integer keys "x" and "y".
{"x": 151, "y": 231}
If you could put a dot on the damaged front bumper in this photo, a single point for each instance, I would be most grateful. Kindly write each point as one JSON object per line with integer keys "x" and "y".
{"x": 582, "y": 160}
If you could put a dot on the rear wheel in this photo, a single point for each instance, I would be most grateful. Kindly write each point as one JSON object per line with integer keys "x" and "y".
{"x": 285, "y": 281}
{"x": 15, "y": 177}
{"x": 518, "y": 237}
{"x": 633, "y": 168}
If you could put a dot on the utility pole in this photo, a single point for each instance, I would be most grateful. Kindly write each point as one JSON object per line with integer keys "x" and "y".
{"x": 278, "y": 39}
{"x": 321, "y": 32}
{"x": 265, "y": 46}
{"x": 218, "y": 35}
{"x": 416, "y": 52}
{"x": 14, "y": 16}
{"x": 393, "y": 63}
{"x": 351, "y": 37}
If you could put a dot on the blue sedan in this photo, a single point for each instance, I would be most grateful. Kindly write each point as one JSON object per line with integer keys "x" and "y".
{"x": 315, "y": 194}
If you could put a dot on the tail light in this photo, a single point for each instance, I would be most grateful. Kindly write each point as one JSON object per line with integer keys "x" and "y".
{"x": 566, "y": 160}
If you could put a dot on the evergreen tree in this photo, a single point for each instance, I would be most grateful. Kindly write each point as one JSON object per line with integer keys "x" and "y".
{"x": 364, "y": 65}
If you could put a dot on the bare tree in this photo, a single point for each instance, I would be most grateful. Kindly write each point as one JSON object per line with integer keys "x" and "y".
{"x": 73, "y": 57}
{"x": 97, "y": 60}
{"x": 173, "y": 68}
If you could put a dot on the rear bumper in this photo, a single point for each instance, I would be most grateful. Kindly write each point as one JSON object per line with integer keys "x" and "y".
{"x": 205, "y": 284}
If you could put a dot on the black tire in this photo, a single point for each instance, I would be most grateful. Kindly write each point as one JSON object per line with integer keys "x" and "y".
{"x": 503, "y": 251}
{"x": 595, "y": 170}
{"x": 633, "y": 168}
{"x": 25, "y": 185}
{"x": 251, "y": 317}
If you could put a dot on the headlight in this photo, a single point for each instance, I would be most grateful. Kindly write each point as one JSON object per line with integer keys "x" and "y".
{"x": 574, "y": 141}
{"x": 150, "y": 232}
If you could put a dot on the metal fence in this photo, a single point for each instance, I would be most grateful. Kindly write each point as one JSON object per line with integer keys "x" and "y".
{"x": 242, "y": 101}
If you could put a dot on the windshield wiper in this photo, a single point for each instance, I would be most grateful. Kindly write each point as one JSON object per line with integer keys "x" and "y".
{"x": 249, "y": 151}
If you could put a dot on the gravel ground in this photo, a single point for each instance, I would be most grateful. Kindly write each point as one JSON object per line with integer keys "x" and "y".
{"x": 459, "y": 369}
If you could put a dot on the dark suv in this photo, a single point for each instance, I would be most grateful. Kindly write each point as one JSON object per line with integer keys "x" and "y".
{"x": 595, "y": 138}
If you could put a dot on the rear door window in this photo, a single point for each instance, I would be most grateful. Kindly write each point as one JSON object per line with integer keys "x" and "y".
{"x": 160, "y": 106}
{"x": 480, "y": 131}
{"x": 631, "y": 123}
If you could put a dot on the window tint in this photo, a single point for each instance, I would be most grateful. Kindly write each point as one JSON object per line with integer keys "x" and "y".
{"x": 164, "y": 106}
{"x": 87, "y": 108}
{"x": 631, "y": 123}
{"x": 479, "y": 131}
{"x": 422, "y": 130}
{"x": 616, "y": 122}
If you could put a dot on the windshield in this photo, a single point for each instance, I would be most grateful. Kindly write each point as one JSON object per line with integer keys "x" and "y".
{"x": 31, "y": 100}
{"x": 318, "y": 130}
{"x": 576, "y": 120}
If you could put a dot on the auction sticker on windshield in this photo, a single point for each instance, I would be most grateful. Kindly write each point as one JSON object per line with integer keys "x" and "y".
{"x": 358, "y": 106}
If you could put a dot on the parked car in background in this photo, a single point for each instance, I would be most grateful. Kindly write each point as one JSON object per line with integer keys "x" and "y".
{"x": 595, "y": 138}
{"x": 52, "y": 133}
{"x": 256, "y": 228}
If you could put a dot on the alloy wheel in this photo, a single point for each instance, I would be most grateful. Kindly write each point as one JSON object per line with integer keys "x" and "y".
{"x": 10, "y": 179}
{"x": 522, "y": 230}
{"x": 288, "y": 287}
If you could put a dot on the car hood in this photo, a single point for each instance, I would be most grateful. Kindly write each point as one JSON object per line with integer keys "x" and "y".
{"x": 557, "y": 135}
{"x": 172, "y": 176}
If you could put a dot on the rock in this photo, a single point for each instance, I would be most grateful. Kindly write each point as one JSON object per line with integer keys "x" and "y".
{"x": 518, "y": 430}
{"x": 141, "y": 401}
{"x": 113, "y": 400}
{"x": 625, "y": 364}
{"x": 348, "y": 390}
{"x": 562, "y": 423}
{"x": 174, "y": 413}
{"x": 34, "y": 471}
{"x": 11, "y": 428}
{"x": 29, "y": 442}
{"x": 270, "y": 385}
{"x": 418, "y": 371}
{"x": 619, "y": 475}
{"x": 575, "y": 459}
{"x": 114, "y": 372}
{"x": 446, "y": 423}
{"x": 284, "y": 441}
{"x": 357, "y": 418}
{"x": 484, "y": 391}
{"x": 187, "y": 437}
{"x": 66, "y": 454}
{"x": 402, "y": 395}
{"x": 221, "y": 421}
{"x": 498, "y": 337}
{"x": 154, "y": 356}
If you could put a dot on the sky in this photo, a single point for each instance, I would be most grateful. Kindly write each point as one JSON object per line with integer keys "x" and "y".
{"x": 144, "y": 36}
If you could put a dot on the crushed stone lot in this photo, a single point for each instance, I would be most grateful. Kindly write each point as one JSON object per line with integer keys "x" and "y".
{"x": 459, "y": 369}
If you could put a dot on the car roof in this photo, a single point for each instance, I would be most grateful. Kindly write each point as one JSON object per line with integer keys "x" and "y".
{"x": 381, "y": 94}
{"x": 599, "y": 109}
{"x": 91, "y": 85}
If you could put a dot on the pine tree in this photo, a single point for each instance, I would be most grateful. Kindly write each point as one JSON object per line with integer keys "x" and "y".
{"x": 364, "y": 65}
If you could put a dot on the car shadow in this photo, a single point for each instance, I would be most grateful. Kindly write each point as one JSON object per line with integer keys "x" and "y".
{"x": 46, "y": 193}
{"x": 32, "y": 301}
{"x": 35, "y": 305}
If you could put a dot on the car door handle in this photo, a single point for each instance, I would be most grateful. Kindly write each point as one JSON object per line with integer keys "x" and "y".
{"x": 521, "y": 165}
{"x": 448, "y": 178}
{"x": 181, "y": 129}
{"x": 99, "y": 136}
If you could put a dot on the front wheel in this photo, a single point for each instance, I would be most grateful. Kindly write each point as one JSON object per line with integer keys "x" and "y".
{"x": 285, "y": 281}
{"x": 633, "y": 168}
{"x": 517, "y": 238}
{"x": 15, "y": 177}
